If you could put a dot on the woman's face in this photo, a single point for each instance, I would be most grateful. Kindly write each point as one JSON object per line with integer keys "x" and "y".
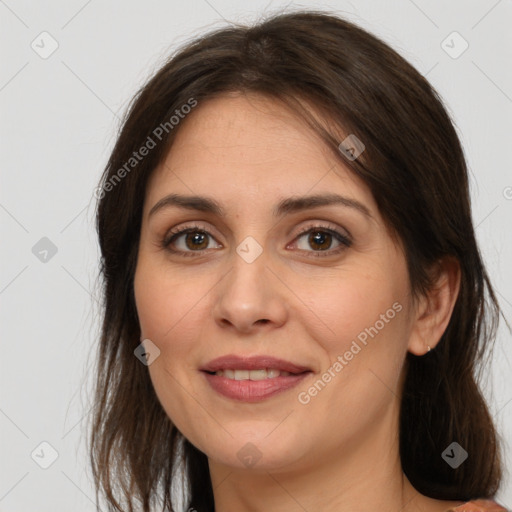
{"x": 320, "y": 286}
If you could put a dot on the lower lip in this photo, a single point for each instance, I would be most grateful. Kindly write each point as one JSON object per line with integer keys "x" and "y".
{"x": 253, "y": 390}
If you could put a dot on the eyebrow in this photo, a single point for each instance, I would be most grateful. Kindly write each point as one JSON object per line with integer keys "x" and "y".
{"x": 289, "y": 205}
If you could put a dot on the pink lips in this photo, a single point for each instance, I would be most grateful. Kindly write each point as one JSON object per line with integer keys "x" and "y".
{"x": 248, "y": 390}
{"x": 252, "y": 363}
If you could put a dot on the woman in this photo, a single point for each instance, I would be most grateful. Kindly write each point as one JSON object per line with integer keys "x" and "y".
{"x": 294, "y": 297}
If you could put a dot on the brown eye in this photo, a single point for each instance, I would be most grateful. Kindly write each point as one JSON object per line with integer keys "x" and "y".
{"x": 320, "y": 239}
{"x": 196, "y": 240}
{"x": 187, "y": 240}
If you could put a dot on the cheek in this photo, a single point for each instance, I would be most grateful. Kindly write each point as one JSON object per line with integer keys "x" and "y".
{"x": 349, "y": 303}
{"x": 360, "y": 323}
{"x": 172, "y": 307}
{"x": 363, "y": 339}
{"x": 170, "y": 316}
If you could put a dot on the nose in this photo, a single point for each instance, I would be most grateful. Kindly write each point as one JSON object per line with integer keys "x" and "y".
{"x": 250, "y": 297}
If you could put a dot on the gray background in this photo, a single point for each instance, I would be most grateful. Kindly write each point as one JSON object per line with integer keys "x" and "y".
{"x": 59, "y": 117}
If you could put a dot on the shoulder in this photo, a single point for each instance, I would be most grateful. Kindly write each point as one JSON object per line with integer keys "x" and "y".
{"x": 479, "y": 506}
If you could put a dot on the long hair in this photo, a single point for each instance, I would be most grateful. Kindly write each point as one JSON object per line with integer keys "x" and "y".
{"x": 339, "y": 79}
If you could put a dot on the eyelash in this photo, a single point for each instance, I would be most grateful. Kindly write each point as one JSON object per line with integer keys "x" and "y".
{"x": 344, "y": 240}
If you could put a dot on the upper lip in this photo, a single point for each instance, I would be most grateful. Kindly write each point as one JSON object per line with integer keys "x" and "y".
{"x": 234, "y": 362}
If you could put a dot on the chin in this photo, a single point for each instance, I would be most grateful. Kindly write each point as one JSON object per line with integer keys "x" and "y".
{"x": 256, "y": 450}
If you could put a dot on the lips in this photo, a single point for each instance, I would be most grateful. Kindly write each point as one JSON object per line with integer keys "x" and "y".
{"x": 234, "y": 362}
{"x": 281, "y": 376}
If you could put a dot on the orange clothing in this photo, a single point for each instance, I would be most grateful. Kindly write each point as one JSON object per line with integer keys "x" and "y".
{"x": 479, "y": 506}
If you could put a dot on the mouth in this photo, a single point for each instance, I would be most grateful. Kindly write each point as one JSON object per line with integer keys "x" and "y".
{"x": 255, "y": 375}
{"x": 252, "y": 379}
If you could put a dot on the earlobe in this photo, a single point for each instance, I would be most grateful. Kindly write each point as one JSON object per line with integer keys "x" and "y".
{"x": 434, "y": 310}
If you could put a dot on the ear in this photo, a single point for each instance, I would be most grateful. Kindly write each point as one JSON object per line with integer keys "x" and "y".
{"x": 434, "y": 310}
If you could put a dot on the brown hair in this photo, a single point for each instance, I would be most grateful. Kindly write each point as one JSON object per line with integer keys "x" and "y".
{"x": 415, "y": 167}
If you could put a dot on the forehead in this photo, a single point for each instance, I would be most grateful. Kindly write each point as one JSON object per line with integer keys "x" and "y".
{"x": 250, "y": 148}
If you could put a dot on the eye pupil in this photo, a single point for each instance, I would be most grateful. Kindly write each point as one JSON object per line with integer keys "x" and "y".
{"x": 196, "y": 238}
{"x": 319, "y": 238}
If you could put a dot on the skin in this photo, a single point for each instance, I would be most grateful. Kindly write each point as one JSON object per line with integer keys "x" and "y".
{"x": 339, "y": 452}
